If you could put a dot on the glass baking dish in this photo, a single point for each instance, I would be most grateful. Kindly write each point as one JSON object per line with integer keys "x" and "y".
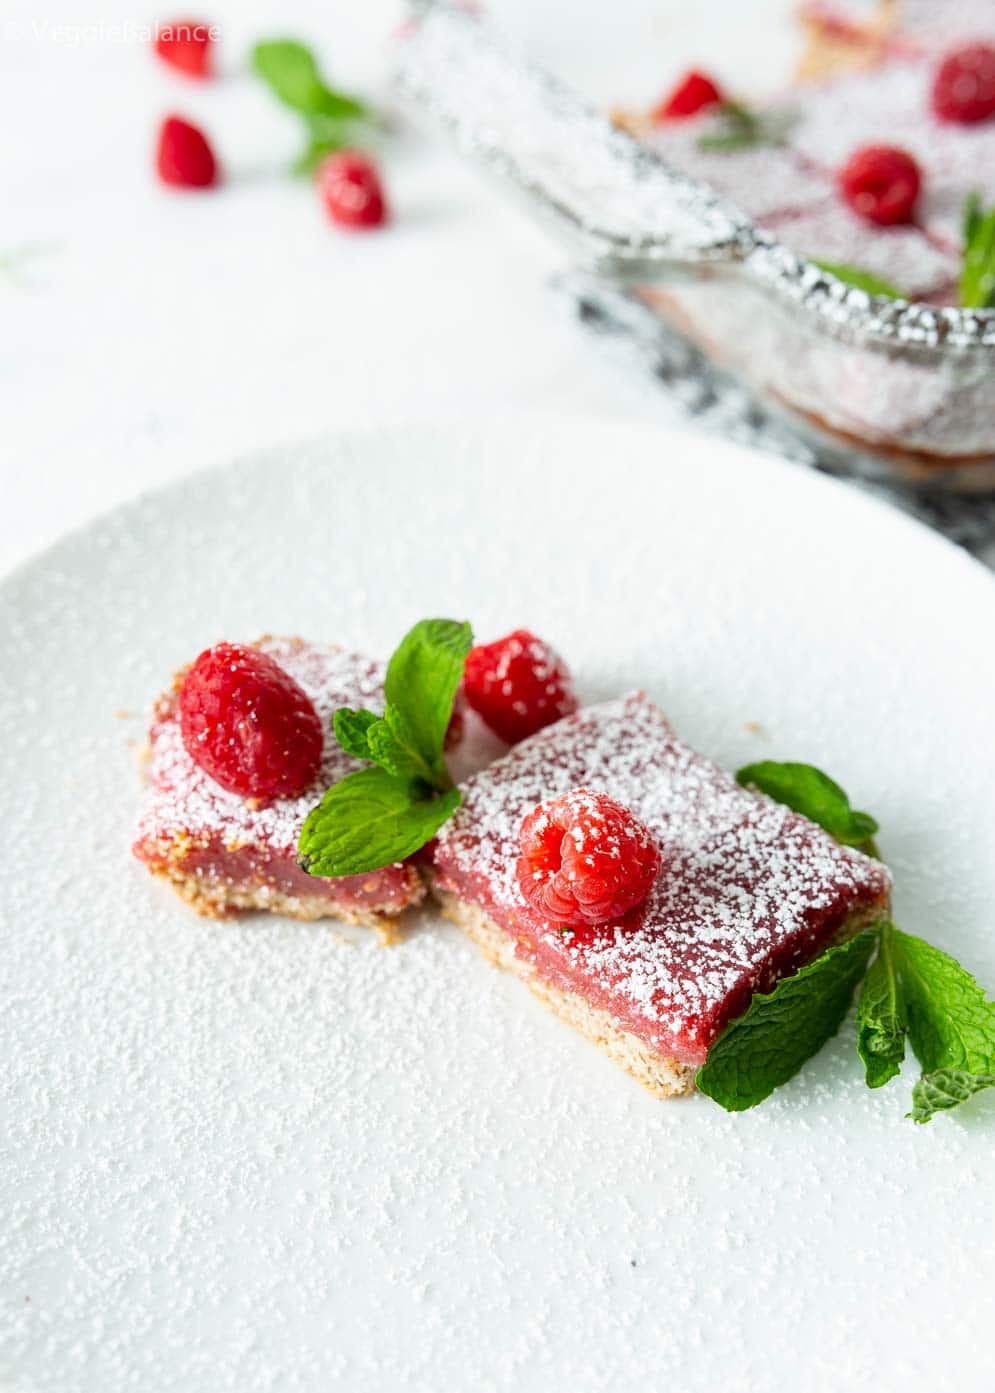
{"x": 889, "y": 388}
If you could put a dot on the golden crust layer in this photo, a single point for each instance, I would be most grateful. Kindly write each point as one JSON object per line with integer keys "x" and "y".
{"x": 664, "y": 1077}
{"x": 217, "y": 899}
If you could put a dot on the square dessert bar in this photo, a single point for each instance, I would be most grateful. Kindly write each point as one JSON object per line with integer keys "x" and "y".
{"x": 223, "y": 853}
{"x": 748, "y": 890}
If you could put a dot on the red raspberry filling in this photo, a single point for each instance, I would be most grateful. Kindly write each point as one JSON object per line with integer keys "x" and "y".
{"x": 585, "y": 859}
{"x": 881, "y": 184}
{"x": 518, "y": 685}
{"x": 693, "y": 93}
{"x": 350, "y": 188}
{"x": 183, "y": 157}
{"x": 964, "y": 86}
{"x": 248, "y": 724}
{"x": 185, "y": 44}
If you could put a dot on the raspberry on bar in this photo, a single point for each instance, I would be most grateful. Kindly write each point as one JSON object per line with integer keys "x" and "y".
{"x": 223, "y": 852}
{"x": 748, "y": 891}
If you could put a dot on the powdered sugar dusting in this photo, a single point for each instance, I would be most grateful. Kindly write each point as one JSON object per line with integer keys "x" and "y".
{"x": 182, "y": 801}
{"x": 744, "y": 880}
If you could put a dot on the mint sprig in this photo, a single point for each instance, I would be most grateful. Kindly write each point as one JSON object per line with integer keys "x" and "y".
{"x": 977, "y": 277}
{"x": 780, "y": 1031}
{"x": 807, "y": 790}
{"x": 911, "y": 991}
{"x": 375, "y": 817}
{"x": 291, "y": 72}
{"x": 858, "y": 277}
{"x": 734, "y": 126}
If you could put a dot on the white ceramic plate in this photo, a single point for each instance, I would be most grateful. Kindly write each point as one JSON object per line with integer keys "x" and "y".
{"x": 254, "y": 1156}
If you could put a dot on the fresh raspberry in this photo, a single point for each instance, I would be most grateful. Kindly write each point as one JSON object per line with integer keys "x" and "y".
{"x": 248, "y": 724}
{"x": 183, "y": 157}
{"x": 881, "y": 184}
{"x": 693, "y": 93}
{"x": 585, "y": 859}
{"x": 964, "y": 86}
{"x": 185, "y": 44}
{"x": 517, "y": 685}
{"x": 351, "y": 190}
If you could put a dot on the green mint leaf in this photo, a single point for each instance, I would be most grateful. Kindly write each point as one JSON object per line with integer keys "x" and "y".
{"x": 971, "y": 214}
{"x": 369, "y": 820}
{"x": 881, "y": 1024}
{"x": 857, "y": 276}
{"x": 421, "y": 683}
{"x": 351, "y": 729}
{"x": 292, "y": 74}
{"x": 735, "y": 127}
{"x": 977, "y": 277}
{"x": 393, "y": 754}
{"x": 766, "y": 1046}
{"x": 950, "y": 1021}
{"x": 945, "y": 1088}
{"x": 807, "y": 790}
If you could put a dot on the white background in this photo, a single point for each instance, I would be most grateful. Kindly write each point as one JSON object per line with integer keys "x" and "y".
{"x": 152, "y": 331}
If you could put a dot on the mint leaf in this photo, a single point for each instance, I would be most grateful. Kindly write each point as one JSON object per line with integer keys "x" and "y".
{"x": 394, "y": 755}
{"x": 369, "y": 820}
{"x": 291, "y": 72}
{"x": 766, "y": 1046}
{"x": 881, "y": 1021}
{"x": 377, "y": 816}
{"x": 735, "y": 127}
{"x": 977, "y": 277}
{"x": 970, "y": 215}
{"x": 807, "y": 790}
{"x": 351, "y": 729}
{"x": 421, "y": 683}
{"x": 856, "y": 276}
{"x": 951, "y": 1025}
{"x": 944, "y": 1089}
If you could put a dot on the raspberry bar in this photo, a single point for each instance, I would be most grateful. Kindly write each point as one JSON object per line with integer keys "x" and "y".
{"x": 223, "y": 852}
{"x": 748, "y": 891}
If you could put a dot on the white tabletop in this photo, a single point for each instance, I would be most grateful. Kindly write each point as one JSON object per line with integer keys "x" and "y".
{"x": 149, "y": 332}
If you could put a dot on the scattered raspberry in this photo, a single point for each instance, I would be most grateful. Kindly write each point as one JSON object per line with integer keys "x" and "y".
{"x": 517, "y": 685}
{"x": 693, "y": 93}
{"x": 881, "y": 184}
{"x": 248, "y": 724}
{"x": 351, "y": 190}
{"x": 184, "y": 158}
{"x": 964, "y": 86}
{"x": 585, "y": 859}
{"x": 185, "y": 44}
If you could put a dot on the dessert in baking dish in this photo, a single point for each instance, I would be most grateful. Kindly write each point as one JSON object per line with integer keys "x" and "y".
{"x": 745, "y": 890}
{"x": 882, "y": 178}
{"x": 786, "y": 171}
{"x": 224, "y": 847}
